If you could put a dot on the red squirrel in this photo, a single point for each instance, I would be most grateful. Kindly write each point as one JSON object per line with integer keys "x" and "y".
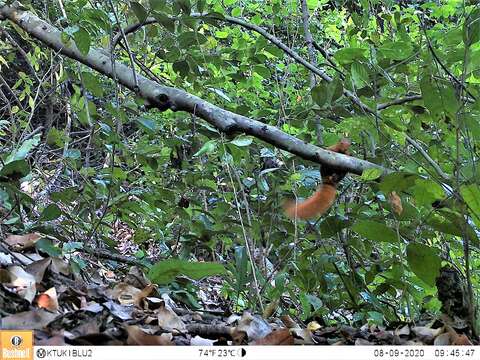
{"x": 323, "y": 198}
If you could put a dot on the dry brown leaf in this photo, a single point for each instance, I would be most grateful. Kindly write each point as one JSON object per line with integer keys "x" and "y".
{"x": 199, "y": 341}
{"x": 302, "y": 336}
{"x": 442, "y": 339}
{"x": 360, "y": 341}
{"x": 24, "y": 284}
{"x": 455, "y": 338}
{"x": 276, "y": 337}
{"x": 137, "y": 336}
{"x": 403, "y": 331}
{"x": 38, "y": 268}
{"x": 28, "y": 320}
{"x": 123, "y": 312}
{"x": 313, "y": 326}
{"x": 426, "y": 334}
{"x": 5, "y": 276}
{"x": 22, "y": 242}
{"x": 138, "y": 298}
{"x": 462, "y": 340}
{"x": 5, "y": 259}
{"x": 124, "y": 293}
{"x": 289, "y": 322}
{"x": 168, "y": 320}
{"x": 59, "y": 266}
{"x": 396, "y": 202}
{"x": 48, "y": 300}
{"x": 255, "y": 327}
{"x": 270, "y": 309}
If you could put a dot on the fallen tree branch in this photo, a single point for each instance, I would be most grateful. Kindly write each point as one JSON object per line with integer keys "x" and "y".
{"x": 164, "y": 97}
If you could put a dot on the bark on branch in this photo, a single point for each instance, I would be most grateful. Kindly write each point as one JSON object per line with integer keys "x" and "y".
{"x": 164, "y": 97}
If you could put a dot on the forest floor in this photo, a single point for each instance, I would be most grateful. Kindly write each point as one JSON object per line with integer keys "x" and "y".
{"x": 113, "y": 303}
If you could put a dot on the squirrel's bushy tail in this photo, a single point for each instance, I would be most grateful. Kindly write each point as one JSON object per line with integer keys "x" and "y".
{"x": 315, "y": 205}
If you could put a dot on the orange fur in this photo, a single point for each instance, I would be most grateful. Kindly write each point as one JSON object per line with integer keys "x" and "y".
{"x": 341, "y": 147}
{"x": 315, "y": 205}
{"x": 323, "y": 198}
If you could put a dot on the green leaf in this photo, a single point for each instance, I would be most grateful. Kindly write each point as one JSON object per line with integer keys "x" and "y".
{"x": 185, "y": 5}
{"x": 320, "y": 94}
{"x": 201, "y": 5}
{"x": 335, "y": 89}
{"x": 181, "y": 67}
{"x": 165, "y": 271}
{"x": 397, "y": 181}
{"x": 471, "y": 28}
{"x": 24, "y": 149}
{"x": 471, "y": 195}
{"x": 74, "y": 154}
{"x": 139, "y": 11}
{"x": 242, "y": 141}
{"x": 92, "y": 84}
{"x": 262, "y": 71}
{"x": 359, "y": 74}
{"x": 424, "y": 262}
{"x": 186, "y": 39}
{"x": 332, "y": 225}
{"x": 221, "y": 34}
{"x": 371, "y": 174}
{"x": 82, "y": 40}
{"x": 427, "y": 191}
{"x": 348, "y": 55}
{"x": 51, "y": 212}
{"x": 157, "y": 4}
{"x": 48, "y": 247}
{"x": 207, "y": 148}
{"x": 148, "y": 124}
{"x": 375, "y": 231}
{"x": 15, "y": 170}
{"x": 241, "y": 268}
{"x": 165, "y": 21}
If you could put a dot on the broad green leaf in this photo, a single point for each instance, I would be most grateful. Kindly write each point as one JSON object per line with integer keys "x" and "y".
{"x": 82, "y": 40}
{"x": 359, "y": 74}
{"x": 320, "y": 94}
{"x": 74, "y": 154}
{"x": 207, "y": 148}
{"x": 427, "y": 191}
{"x": 187, "y": 39}
{"x": 24, "y": 149}
{"x": 147, "y": 124}
{"x": 348, "y": 55}
{"x": 262, "y": 71}
{"x": 375, "y": 231}
{"x": 92, "y": 83}
{"x": 471, "y": 28}
{"x": 51, "y": 212}
{"x": 371, "y": 174}
{"x": 397, "y": 181}
{"x": 242, "y": 141}
{"x": 424, "y": 262}
{"x": 181, "y": 67}
{"x": 158, "y": 4}
{"x": 15, "y": 170}
{"x": 165, "y": 21}
{"x": 166, "y": 271}
{"x": 332, "y": 225}
{"x": 48, "y": 247}
{"x": 221, "y": 34}
{"x": 139, "y": 11}
{"x": 471, "y": 195}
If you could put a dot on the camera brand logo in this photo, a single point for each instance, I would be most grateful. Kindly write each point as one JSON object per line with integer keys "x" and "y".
{"x": 16, "y": 345}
